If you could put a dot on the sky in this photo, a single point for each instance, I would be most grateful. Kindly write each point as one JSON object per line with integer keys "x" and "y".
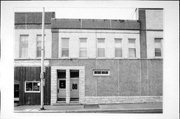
{"x": 87, "y": 12}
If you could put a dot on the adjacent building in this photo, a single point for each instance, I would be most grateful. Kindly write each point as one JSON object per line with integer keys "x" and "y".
{"x": 90, "y": 61}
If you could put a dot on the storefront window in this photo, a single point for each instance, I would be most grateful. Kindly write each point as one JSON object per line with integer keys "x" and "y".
{"x": 32, "y": 86}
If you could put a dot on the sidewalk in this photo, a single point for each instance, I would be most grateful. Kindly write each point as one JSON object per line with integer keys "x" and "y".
{"x": 102, "y": 108}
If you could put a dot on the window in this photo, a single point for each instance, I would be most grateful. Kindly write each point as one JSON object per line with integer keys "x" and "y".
{"x": 101, "y": 72}
{"x": 62, "y": 84}
{"x": 132, "y": 47}
{"x": 101, "y": 47}
{"x": 74, "y": 73}
{"x": 118, "y": 47}
{"x": 32, "y": 86}
{"x": 23, "y": 46}
{"x": 38, "y": 45}
{"x": 16, "y": 90}
{"x": 158, "y": 47}
{"x": 83, "y": 47}
{"x": 65, "y": 47}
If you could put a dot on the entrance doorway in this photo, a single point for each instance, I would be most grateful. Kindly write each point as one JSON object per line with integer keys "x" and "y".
{"x": 74, "y": 85}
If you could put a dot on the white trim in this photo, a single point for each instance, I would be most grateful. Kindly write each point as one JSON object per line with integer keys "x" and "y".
{"x": 21, "y": 63}
{"x": 31, "y": 91}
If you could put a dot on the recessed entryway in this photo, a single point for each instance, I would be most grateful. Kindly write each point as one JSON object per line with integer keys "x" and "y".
{"x": 67, "y": 84}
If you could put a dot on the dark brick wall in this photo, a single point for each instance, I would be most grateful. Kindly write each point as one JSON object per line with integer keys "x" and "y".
{"x": 143, "y": 45}
{"x": 127, "y": 77}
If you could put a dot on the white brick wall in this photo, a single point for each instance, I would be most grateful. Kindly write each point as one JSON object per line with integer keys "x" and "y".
{"x": 92, "y": 36}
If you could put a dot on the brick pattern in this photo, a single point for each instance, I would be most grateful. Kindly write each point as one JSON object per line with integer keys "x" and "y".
{"x": 127, "y": 81}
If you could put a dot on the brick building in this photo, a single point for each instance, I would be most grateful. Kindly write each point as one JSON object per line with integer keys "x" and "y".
{"x": 90, "y": 61}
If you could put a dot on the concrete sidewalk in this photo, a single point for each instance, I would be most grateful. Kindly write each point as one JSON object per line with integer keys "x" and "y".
{"x": 101, "y": 108}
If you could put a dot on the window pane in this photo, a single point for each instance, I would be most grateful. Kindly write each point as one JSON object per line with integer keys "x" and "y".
{"x": 157, "y": 51}
{"x": 35, "y": 86}
{"x": 132, "y": 52}
{"x": 157, "y": 42}
{"x": 118, "y": 40}
{"x": 28, "y": 86}
{"x": 74, "y": 73}
{"x": 83, "y": 40}
{"x": 104, "y": 72}
{"x": 65, "y": 52}
{"x": 65, "y": 42}
{"x": 62, "y": 84}
{"x": 38, "y": 52}
{"x": 38, "y": 46}
{"x": 101, "y": 40}
{"x": 83, "y": 52}
{"x": 101, "y": 52}
{"x": 61, "y": 73}
{"x": 132, "y": 40}
{"x": 24, "y": 46}
{"x": 118, "y": 52}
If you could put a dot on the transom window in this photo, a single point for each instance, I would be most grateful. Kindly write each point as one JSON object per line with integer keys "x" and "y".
{"x": 32, "y": 86}
{"x": 101, "y": 72}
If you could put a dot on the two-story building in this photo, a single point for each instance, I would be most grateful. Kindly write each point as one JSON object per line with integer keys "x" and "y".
{"x": 90, "y": 61}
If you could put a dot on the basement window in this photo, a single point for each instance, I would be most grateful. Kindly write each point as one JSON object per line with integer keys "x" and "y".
{"x": 101, "y": 72}
{"x": 32, "y": 86}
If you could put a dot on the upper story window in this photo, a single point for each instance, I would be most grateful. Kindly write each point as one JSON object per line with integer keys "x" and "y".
{"x": 38, "y": 45}
{"x": 83, "y": 47}
{"x": 132, "y": 47}
{"x": 65, "y": 47}
{"x": 118, "y": 47}
{"x": 101, "y": 47}
{"x": 23, "y": 46}
{"x": 158, "y": 47}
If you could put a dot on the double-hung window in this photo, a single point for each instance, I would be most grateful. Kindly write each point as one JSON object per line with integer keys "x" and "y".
{"x": 101, "y": 47}
{"x": 65, "y": 47}
{"x": 158, "y": 47}
{"x": 132, "y": 47}
{"x": 23, "y": 46}
{"x": 38, "y": 45}
{"x": 118, "y": 47}
{"x": 83, "y": 47}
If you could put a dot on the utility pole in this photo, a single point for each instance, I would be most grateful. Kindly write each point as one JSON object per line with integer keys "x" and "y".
{"x": 42, "y": 63}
